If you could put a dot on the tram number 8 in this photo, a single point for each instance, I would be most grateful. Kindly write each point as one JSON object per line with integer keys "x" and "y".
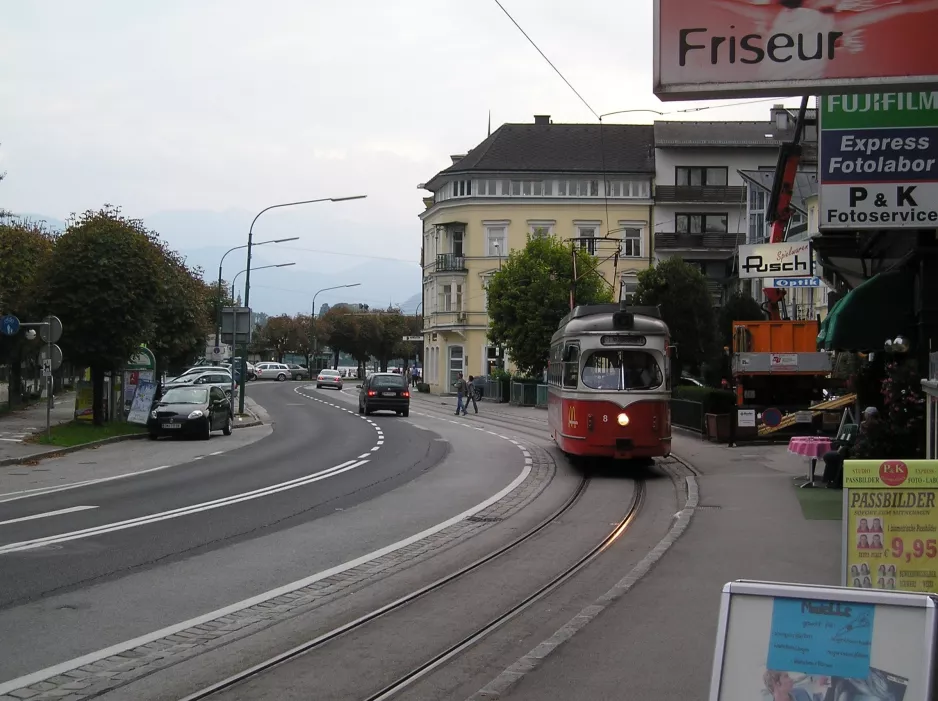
{"x": 605, "y": 418}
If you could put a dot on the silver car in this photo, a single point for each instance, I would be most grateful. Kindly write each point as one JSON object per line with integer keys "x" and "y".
{"x": 329, "y": 378}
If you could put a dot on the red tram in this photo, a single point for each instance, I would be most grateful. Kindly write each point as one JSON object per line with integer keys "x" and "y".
{"x": 609, "y": 383}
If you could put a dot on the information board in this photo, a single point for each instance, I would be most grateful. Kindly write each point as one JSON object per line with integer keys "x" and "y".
{"x": 142, "y": 402}
{"x": 890, "y": 525}
{"x": 814, "y": 643}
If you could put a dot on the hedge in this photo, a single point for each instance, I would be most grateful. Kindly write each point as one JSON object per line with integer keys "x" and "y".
{"x": 714, "y": 401}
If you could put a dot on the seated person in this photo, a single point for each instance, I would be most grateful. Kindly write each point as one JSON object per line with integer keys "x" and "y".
{"x": 834, "y": 459}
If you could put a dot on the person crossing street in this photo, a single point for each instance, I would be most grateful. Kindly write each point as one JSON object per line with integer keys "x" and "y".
{"x": 462, "y": 389}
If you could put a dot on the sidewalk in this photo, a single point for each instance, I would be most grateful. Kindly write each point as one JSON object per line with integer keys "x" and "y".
{"x": 488, "y": 407}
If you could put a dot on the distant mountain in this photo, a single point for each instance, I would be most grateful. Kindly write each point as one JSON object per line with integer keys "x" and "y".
{"x": 410, "y": 306}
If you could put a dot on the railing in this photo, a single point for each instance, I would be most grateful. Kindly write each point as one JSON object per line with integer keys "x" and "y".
{"x": 492, "y": 390}
{"x": 523, "y": 393}
{"x": 716, "y": 194}
{"x": 687, "y": 414}
{"x": 698, "y": 241}
{"x": 450, "y": 262}
{"x": 541, "y": 397}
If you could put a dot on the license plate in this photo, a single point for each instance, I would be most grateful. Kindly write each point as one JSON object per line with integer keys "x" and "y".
{"x": 172, "y": 425}
{"x": 389, "y": 394}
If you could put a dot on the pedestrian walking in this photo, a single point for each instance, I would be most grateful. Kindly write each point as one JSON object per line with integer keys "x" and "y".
{"x": 472, "y": 395}
{"x": 461, "y": 389}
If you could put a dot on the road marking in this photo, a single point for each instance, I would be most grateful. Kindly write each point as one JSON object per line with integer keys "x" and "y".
{"x": 182, "y": 511}
{"x": 217, "y": 452}
{"x": 41, "y": 491}
{"x": 12, "y": 440}
{"x": 69, "y": 510}
{"x": 33, "y": 678}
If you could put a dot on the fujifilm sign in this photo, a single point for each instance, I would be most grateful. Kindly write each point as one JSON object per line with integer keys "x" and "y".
{"x": 788, "y": 260}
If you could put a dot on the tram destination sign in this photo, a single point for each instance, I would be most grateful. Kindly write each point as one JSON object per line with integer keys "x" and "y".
{"x": 879, "y": 161}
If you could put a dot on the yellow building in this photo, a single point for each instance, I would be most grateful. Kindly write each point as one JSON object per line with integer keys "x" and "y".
{"x": 565, "y": 180}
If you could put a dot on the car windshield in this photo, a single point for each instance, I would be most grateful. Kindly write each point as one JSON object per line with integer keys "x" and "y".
{"x": 387, "y": 381}
{"x": 621, "y": 370}
{"x": 329, "y": 373}
{"x": 185, "y": 395}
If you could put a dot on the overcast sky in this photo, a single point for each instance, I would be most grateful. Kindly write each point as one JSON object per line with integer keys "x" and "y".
{"x": 235, "y": 105}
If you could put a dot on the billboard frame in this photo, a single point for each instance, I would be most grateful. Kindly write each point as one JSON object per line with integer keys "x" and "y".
{"x": 798, "y": 87}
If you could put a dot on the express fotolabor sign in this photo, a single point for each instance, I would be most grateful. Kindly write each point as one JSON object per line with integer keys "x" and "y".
{"x": 879, "y": 161}
{"x": 728, "y": 48}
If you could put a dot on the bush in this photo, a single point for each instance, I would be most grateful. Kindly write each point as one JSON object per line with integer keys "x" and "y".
{"x": 714, "y": 401}
{"x": 423, "y": 387}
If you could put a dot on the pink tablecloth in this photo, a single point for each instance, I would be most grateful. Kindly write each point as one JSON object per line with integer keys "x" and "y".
{"x": 810, "y": 446}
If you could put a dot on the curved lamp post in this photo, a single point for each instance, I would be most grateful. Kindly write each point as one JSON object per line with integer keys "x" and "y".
{"x": 312, "y": 318}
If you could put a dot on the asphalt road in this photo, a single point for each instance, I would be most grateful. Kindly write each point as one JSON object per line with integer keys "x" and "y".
{"x": 135, "y": 518}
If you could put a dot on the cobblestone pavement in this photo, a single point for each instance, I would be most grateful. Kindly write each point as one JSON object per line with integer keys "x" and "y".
{"x": 143, "y": 656}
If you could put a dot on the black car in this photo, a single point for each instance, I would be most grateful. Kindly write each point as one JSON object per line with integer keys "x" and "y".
{"x": 191, "y": 411}
{"x": 384, "y": 391}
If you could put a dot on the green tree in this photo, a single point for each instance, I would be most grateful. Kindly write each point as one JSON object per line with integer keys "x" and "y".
{"x": 739, "y": 307}
{"x": 345, "y": 335}
{"x": 184, "y": 316}
{"x": 529, "y": 296}
{"x": 104, "y": 283}
{"x": 680, "y": 290}
{"x": 277, "y": 335}
{"x": 25, "y": 249}
{"x": 409, "y": 350}
{"x": 383, "y": 333}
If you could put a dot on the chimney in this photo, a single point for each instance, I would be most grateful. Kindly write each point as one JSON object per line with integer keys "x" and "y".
{"x": 541, "y": 119}
{"x": 457, "y": 158}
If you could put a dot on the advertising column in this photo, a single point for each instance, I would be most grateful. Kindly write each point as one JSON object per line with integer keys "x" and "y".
{"x": 890, "y": 532}
{"x": 879, "y": 161}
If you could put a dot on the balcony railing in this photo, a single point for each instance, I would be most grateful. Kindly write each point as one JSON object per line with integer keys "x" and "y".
{"x": 726, "y": 194}
{"x": 664, "y": 241}
{"x": 449, "y": 262}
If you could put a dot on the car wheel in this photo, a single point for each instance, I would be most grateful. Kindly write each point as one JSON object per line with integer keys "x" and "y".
{"x": 405, "y": 413}
{"x": 153, "y": 436}
{"x": 318, "y": 386}
{"x": 361, "y": 409}
{"x": 281, "y": 377}
{"x": 207, "y": 431}
{"x": 228, "y": 426}
{"x": 367, "y": 411}
{"x": 339, "y": 388}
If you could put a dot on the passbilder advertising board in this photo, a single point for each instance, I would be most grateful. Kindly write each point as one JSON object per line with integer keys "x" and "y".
{"x": 730, "y": 48}
{"x": 761, "y": 260}
{"x": 879, "y": 161}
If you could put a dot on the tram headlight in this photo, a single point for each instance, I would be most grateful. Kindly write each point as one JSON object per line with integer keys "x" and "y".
{"x": 623, "y": 419}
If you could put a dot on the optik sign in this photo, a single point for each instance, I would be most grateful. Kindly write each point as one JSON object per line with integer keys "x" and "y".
{"x": 879, "y": 161}
{"x": 775, "y": 260}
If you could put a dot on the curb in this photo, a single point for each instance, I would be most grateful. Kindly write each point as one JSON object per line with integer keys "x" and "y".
{"x": 46, "y": 454}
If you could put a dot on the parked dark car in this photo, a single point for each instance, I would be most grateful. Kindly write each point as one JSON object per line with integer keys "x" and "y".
{"x": 384, "y": 391}
{"x": 191, "y": 411}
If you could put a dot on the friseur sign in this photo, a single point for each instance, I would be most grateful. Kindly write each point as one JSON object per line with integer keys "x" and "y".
{"x": 775, "y": 259}
{"x": 879, "y": 161}
{"x": 731, "y": 48}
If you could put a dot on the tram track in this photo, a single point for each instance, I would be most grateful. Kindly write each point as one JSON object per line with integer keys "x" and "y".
{"x": 421, "y": 670}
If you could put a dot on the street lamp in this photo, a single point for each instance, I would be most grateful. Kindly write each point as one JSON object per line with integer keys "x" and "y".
{"x": 312, "y": 319}
{"x": 221, "y": 263}
{"x": 278, "y": 265}
{"x": 247, "y": 276}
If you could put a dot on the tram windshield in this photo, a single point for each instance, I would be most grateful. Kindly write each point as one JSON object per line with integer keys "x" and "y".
{"x": 621, "y": 370}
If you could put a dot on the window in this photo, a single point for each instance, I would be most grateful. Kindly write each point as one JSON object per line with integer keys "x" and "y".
{"x": 387, "y": 381}
{"x": 578, "y": 188}
{"x": 698, "y": 176}
{"x": 701, "y": 223}
{"x": 586, "y": 235}
{"x": 457, "y": 295}
{"x": 571, "y": 365}
{"x": 495, "y": 239}
{"x": 631, "y": 242}
{"x": 485, "y": 287}
{"x": 458, "y": 236}
{"x": 528, "y": 188}
{"x": 629, "y": 285}
{"x": 487, "y": 188}
{"x": 627, "y": 188}
{"x": 622, "y": 370}
{"x": 539, "y": 229}
{"x": 446, "y": 298}
{"x": 462, "y": 188}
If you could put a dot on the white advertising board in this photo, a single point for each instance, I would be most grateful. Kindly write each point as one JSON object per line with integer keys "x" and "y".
{"x": 761, "y": 260}
{"x": 734, "y": 48}
{"x": 801, "y": 641}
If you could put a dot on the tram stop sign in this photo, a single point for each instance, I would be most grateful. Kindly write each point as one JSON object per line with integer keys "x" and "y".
{"x": 51, "y": 330}
{"x": 56, "y": 356}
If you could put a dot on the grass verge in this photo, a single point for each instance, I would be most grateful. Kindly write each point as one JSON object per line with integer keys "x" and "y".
{"x": 820, "y": 503}
{"x": 81, "y": 432}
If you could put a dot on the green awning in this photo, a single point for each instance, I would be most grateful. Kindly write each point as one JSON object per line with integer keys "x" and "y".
{"x": 876, "y": 310}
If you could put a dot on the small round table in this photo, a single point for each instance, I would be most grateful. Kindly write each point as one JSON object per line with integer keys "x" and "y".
{"x": 811, "y": 447}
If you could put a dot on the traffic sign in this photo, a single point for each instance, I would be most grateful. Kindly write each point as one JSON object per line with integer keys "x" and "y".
{"x": 51, "y": 330}
{"x": 9, "y": 325}
{"x": 56, "y": 356}
{"x": 771, "y": 417}
{"x": 413, "y": 339}
{"x": 46, "y": 368}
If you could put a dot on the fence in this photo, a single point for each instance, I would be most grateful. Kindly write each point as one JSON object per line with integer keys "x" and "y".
{"x": 687, "y": 414}
{"x": 492, "y": 390}
{"x": 523, "y": 393}
{"x": 541, "y": 397}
